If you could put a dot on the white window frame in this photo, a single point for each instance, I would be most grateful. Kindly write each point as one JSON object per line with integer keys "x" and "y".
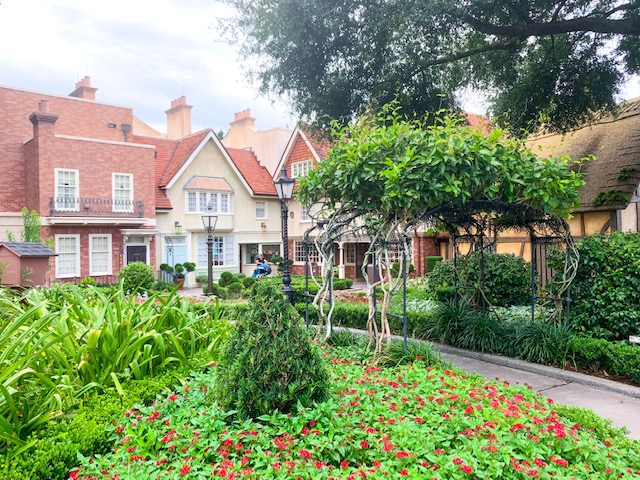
{"x": 109, "y": 268}
{"x": 264, "y": 209}
{"x": 300, "y": 169}
{"x": 350, "y": 253}
{"x": 59, "y": 205}
{"x": 298, "y": 252}
{"x": 197, "y": 202}
{"x": 224, "y": 251}
{"x": 76, "y": 272}
{"x": 128, "y": 207}
{"x": 304, "y": 214}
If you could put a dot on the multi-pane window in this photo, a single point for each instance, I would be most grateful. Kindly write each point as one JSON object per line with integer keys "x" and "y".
{"x": 68, "y": 258}
{"x": 122, "y": 192}
{"x": 350, "y": 253}
{"x": 395, "y": 252}
{"x": 223, "y": 250}
{"x": 192, "y": 203}
{"x": 300, "y": 169}
{"x": 304, "y": 214}
{"x": 99, "y": 254}
{"x": 198, "y": 202}
{"x": 261, "y": 209}
{"x": 299, "y": 253}
{"x": 67, "y": 189}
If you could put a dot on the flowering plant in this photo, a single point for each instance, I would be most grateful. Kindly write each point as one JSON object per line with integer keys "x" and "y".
{"x": 414, "y": 421}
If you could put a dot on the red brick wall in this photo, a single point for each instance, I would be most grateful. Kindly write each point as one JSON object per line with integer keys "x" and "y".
{"x": 31, "y": 151}
{"x": 299, "y": 153}
{"x": 77, "y": 117}
{"x": 423, "y": 247}
{"x": 118, "y": 255}
{"x": 95, "y": 163}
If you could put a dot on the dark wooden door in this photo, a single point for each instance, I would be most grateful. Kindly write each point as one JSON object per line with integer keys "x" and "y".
{"x": 136, "y": 254}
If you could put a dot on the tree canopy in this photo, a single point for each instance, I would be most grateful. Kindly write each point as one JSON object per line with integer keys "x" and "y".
{"x": 541, "y": 62}
{"x": 387, "y": 174}
{"x": 399, "y": 168}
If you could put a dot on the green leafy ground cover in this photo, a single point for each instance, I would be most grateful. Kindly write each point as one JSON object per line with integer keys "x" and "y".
{"x": 415, "y": 421}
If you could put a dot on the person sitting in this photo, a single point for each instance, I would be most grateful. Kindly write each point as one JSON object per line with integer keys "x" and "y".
{"x": 262, "y": 268}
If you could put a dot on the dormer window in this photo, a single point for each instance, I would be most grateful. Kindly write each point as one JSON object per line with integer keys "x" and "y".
{"x": 204, "y": 191}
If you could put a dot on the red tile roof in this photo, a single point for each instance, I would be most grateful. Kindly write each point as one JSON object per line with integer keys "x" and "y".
{"x": 170, "y": 157}
{"x": 253, "y": 173}
{"x": 173, "y": 154}
{"x": 318, "y": 143}
{"x": 479, "y": 122}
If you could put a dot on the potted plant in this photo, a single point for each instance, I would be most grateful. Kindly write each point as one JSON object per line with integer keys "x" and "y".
{"x": 178, "y": 271}
{"x": 178, "y": 275}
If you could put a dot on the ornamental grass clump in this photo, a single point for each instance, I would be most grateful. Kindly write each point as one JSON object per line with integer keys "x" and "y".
{"x": 269, "y": 363}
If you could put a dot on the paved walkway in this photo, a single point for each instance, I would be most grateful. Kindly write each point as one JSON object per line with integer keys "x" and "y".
{"x": 609, "y": 399}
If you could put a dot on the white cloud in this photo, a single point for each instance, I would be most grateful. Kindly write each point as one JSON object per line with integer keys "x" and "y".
{"x": 141, "y": 54}
{"x": 138, "y": 53}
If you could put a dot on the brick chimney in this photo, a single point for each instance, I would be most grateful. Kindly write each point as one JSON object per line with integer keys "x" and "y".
{"x": 84, "y": 89}
{"x": 240, "y": 130}
{"x": 43, "y": 121}
{"x": 179, "y": 119}
{"x": 39, "y": 155}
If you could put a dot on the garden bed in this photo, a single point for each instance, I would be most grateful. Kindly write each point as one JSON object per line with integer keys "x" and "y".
{"x": 414, "y": 421}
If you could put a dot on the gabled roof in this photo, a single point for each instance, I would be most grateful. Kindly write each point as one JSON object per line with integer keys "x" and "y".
{"x": 612, "y": 178}
{"x": 29, "y": 249}
{"x": 478, "y": 122}
{"x": 172, "y": 156}
{"x": 317, "y": 145}
{"x": 254, "y": 174}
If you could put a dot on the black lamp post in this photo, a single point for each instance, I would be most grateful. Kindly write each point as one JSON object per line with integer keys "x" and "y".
{"x": 209, "y": 221}
{"x": 284, "y": 187}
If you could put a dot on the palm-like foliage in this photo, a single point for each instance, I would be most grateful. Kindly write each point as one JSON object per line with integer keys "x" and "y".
{"x": 57, "y": 344}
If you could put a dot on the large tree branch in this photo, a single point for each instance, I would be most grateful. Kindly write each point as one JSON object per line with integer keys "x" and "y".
{"x": 627, "y": 26}
{"x": 492, "y": 47}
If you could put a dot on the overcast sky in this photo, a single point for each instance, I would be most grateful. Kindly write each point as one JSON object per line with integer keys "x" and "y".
{"x": 140, "y": 54}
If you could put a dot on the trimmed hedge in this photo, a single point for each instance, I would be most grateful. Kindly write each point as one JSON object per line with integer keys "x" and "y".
{"x": 355, "y": 315}
{"x": 507, "y": 279}
{"x": 616, "y": 358}
{"x": 605, "y": 294}
{"x": 85, "y": 430}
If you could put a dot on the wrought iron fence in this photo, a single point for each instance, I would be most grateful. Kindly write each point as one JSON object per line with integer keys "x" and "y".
{"x": 63, "y": 206}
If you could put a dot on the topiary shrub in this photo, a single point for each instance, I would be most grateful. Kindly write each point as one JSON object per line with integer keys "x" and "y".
{"x": 235, "y": 289}
{"x": 507, "y": 279}
{"x": 248, "y": 282}
{"x": 137, "y": 275}
{"x": 605, "y": 294}
{"x": 269, "y": 363}
{"x": 216, "y": 289}
{"x": 226, "y": 278}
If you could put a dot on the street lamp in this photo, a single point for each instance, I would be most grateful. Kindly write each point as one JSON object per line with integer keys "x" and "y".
{"x": 209, "y": 221}
{"x": 284, "y": 187}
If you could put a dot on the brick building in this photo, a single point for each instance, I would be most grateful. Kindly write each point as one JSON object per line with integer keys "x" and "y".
{"x": 72, "y": 159}
{"x": 302, "y": 154}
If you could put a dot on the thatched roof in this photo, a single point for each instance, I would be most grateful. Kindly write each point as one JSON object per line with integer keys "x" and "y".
{"x": 613, "y": 177}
